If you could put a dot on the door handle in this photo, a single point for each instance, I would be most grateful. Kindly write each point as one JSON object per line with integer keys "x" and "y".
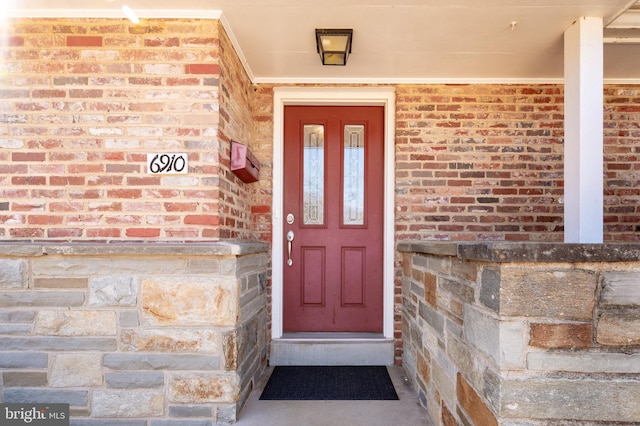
{"x": 290, "y": 237}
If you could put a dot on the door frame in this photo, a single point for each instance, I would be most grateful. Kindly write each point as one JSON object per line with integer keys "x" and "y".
{"x": 332, "y": 96}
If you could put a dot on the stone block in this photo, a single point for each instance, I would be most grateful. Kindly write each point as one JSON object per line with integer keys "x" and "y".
{"x": 160, "y": 362}
{"x": 482, "y": 331}
{"x": 60, "y": 283}
{"x": 490, "y": 288}
{"x": 541, "y": 292}
{"x": 13, "y": 274}
{"x": 127, "y": 403}
{"x": 433, "y": 318}
{"x": 618, "y": 330}
{"x": 59, "y": 344}
{"x": 12, "y": 379}
{"x": 169, "y": 340}
{"x": 101, "y": 266}
{"x": 33, "y": 299}
{"x": 45, "y": 396}
{"x": 473, "y": 405}
{"x": 561, "y": 336}
{"x": 191, "y": 411}
{"x": 23, "y": 359}
{"x": 75, "y": 370}
{"x": 17, "y": 317}
{"x": 76, "y": 323}
{"x": 113, "y": 291}
{"x": 460, "y": 290}
{"x": 512, "y": 344}
{"x": 609, "y": 400}
{"x": 192, "y": 388}
{"x": 190, "y": 301}
{"x": 17, "y": 329}
{"x": 431, "y": 289}
{"x": 582, "y": 362}
{"x": 135, "y": 380}
{"x": 620, "y": 288}
{"x": 129, "y": 318}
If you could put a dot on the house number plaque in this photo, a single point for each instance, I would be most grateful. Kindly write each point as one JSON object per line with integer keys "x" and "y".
{"x": 167, "y": 164}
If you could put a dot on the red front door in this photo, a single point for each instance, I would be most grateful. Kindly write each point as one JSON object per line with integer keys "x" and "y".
{"x": 333, "y": 218}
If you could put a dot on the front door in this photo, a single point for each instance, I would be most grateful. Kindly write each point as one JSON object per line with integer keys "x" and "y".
{"x": 333, "y": 218}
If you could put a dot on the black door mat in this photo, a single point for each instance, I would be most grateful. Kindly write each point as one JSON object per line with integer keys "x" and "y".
{"x": 339, "y": 383}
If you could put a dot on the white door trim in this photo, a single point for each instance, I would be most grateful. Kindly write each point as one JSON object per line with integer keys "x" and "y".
{"x": 384, "y": 96}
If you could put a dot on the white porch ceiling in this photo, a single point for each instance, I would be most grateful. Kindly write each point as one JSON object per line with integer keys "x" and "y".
{"x": 395, "y": 41}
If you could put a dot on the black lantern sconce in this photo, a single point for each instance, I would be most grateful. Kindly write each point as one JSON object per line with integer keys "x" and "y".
{"x": 334, "y": 46}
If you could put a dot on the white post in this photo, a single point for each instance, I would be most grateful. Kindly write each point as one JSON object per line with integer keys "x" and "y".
{"x": 583, "y": 138}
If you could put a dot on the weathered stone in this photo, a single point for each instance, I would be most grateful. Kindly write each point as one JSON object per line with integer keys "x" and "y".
{"x": 190, "y": 301}
{"x": 129, "y": 319}
{"x": 101, "y": 266}
{"x": 60, "y": 282}
{"x": 135, "y": 380}
{"x": 529, "y": 291}
{"x": 191, "y": 411}
{"x": 59, "y": 344}
{"x": 33, "y": 299}
{"x": 23, "y": 360}
{"x": 76, "y": 370}
{"x": 12, "y": 379}
{"x": 482, "y": 331}
{"x": 21, "y": 317}
{"x": 585, "y": 362}
{"x": 620, "y": 288}
{"x": 76, "y": 323}
{"x": 160, "y": 362}
{"x": 200, "y": 388}
{"x": 18, "y": 329}
{"x": 45, "y": 396}
{"x": 490, "y": 288}
{"x": 127, "y": 403}
{"x": 618, "y": 330}
{"x": 170, "y": 340}
{"x": 112, "y": 291}
{"x": 460, "y": 290}
{"x": 473, "y": 405}
{"x": 13, "y": 274}
{"x": 433, "y": 317}
{"x": 561, "y": 336}
{"x": 431, "y": 289}
{"x": 598, "y": 400}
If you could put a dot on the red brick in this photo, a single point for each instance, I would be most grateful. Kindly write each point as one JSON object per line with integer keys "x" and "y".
{"x": 66, "y": 180}
{"x": 211, "y": 69}
{"x": 143, "y": 232}
{"x": 84, "y": 41}
{"x": 28, "y": 156}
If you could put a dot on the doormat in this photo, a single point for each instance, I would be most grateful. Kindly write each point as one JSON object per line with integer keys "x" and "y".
{"x": 339, "y": 383}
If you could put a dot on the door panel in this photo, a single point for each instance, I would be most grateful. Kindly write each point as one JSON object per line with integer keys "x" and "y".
{"x": 333, "y": 177}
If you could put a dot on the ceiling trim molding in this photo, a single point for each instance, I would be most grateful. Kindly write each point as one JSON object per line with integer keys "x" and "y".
{"x": 113, "y": 13}
{"x": 416, "y": 80}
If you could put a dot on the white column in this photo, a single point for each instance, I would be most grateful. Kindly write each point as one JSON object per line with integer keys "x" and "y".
{"x": 583, "y": 128}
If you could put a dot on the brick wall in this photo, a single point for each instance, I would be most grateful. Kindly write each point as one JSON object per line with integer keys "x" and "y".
{"x": 478, "y": 162}
{"x": 82, "y": 103}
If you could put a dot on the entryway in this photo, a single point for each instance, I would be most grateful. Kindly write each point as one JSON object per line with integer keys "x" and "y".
{"x": 332, "y": 293}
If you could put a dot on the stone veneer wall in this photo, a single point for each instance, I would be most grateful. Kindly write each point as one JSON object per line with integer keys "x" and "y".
{"x": 134, "y": 334}
{"x": 523, "y": 333}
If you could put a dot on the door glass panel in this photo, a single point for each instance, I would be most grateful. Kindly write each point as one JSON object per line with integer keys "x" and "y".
{"x": 353, "y": 186}
{"x": 313, "y": 175}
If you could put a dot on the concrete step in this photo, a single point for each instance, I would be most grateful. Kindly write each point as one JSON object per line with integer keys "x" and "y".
{"x": 332, "y": 349}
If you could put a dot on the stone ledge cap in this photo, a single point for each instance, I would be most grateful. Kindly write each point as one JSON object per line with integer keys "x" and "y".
{"x": 528, "y": 252}
{"x": 219, "y": 248}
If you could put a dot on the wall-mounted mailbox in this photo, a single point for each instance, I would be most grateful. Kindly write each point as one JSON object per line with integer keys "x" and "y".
{"x": 243, "y": 163}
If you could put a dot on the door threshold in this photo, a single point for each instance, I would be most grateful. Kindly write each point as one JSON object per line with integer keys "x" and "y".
{"x": 331, "y": 336}
{"x": 332, "y": 349}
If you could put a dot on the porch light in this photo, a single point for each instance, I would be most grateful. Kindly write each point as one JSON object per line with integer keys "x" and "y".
{"x": 334, "y": 46}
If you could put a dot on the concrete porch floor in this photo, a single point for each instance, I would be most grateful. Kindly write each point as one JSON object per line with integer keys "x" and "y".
{"x": 405, "y": 411}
